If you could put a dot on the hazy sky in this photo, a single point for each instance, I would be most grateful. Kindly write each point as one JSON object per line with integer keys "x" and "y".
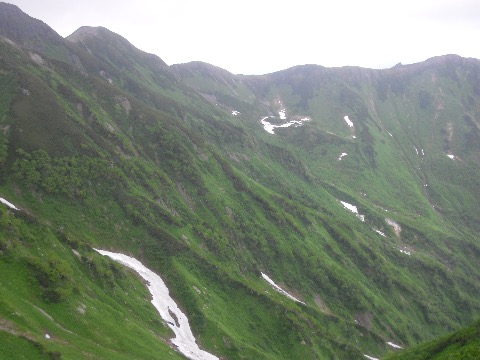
{"x": 261, "y": 36}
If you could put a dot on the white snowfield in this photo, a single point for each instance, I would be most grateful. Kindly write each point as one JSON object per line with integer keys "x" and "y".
{"x": 280, "y": 290}
{"x": 394, "y": 345}
{"x": 235, "y": 112}
{"x": 370, "y": 357}
{"x": 166, "y": 306}
{"x": 451, "y": 156}
{"x": 350, "y": 207}
{"x": 348, "y": 121}
{"x": 267, "y": 126}
{"x": 270, "y": 127}
{"x": 342, "y": 155}
{"x": 8, "y": 203}
{"x": 353, "y": 209}
{"x": 282, "y": 114}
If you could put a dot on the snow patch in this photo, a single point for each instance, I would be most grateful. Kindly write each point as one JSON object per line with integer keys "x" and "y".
{"x": 348, "y": 121}
{"x": 8, "y": 203}
{"x": 379, "y": 232}
{"x": 353, "y": 209}
{"x": 166, "y": 306}
{"x": 390, "y": 134}
{"x": 416, "y": 150}
{"x": 423, "y": 153}
{"x": 235, "y": 112}
{"x": 342, "y": 155}
{"x": 269, "y": 127}
{"x": 405, "y": 252}
{"x": 47, "y": 336}
{"x": 371, "y": 358}
{"x": 394, "y": 345}
{"x": 451, "y": 156}
{"x": 282, "y": 114}
{"x": 350, "y": 207}
{"x": 280, "y": 290}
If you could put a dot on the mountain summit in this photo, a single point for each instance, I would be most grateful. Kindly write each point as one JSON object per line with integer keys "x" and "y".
{"x": 113, "y": 46}
{"x": 25, "y": 30}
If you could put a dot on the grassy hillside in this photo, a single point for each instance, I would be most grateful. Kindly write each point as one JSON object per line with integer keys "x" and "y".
{"x": 462, "y": 345}
{"x": 116, "y": 150}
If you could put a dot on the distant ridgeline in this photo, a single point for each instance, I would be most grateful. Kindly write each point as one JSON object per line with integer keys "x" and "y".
{"x": 311, "y": 213}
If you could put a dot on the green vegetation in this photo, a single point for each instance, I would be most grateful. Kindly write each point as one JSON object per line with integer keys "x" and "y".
{"x": 463, "y": 345}
{"x": 19, "y": 347}
{"x": 116, "y": 150}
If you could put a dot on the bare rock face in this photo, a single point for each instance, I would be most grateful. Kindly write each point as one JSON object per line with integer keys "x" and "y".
{"x": 396, "y": 227}
{"x": 82, "y": 33}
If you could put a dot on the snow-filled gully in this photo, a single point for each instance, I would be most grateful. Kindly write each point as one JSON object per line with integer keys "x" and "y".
{"x": 270, "y": 127}
{"x": 280, "y": 290}
{"x": 8, "y": 203}
{"x": 389, "y": 343}
{"x": 166, "y": 306}
{"x": 395, "y": 346}
{"x": 169, "y": 310}
{"x": 353, "y": 209}
{"x": 348, "y": 121}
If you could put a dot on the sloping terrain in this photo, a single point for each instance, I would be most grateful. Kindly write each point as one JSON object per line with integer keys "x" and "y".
{"x": 462, "y": 345}
{"x": 354, "y": 190}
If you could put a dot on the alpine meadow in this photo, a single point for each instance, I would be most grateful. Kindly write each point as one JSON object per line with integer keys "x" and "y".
{"x": 310, "y": 213}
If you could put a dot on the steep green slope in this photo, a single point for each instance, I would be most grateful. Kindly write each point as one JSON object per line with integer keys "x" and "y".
{"x": 391, "y": 171}
{"x": 463, "y": 345}
{"x": 106, "y": 174}
{"x": 60, "y": 299}
{"x": 116, "y": 150}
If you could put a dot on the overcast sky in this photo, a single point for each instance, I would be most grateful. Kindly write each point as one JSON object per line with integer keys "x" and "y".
{"x": 262, "y": 36}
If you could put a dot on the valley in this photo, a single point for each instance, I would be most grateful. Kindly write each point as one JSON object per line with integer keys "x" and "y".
{"x": 310, "y": 213}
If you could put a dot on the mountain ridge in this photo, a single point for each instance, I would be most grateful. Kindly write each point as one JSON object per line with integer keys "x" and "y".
{"x": 10, "y": 11}
{"x": 352, "y": 203}
{"x": 21, "y": 27}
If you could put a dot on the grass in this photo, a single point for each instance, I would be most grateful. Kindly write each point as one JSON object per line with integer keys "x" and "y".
{"x": 209, "y": 201}
{"x": 462, "y": 345}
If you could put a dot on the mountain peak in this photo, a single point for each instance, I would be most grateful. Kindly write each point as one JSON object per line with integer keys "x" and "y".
{"x": 24, "y": 29}
{"x": 11, "y": 9}
{"x": 84, "y": 32}
{"x": 101, "y": 40}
